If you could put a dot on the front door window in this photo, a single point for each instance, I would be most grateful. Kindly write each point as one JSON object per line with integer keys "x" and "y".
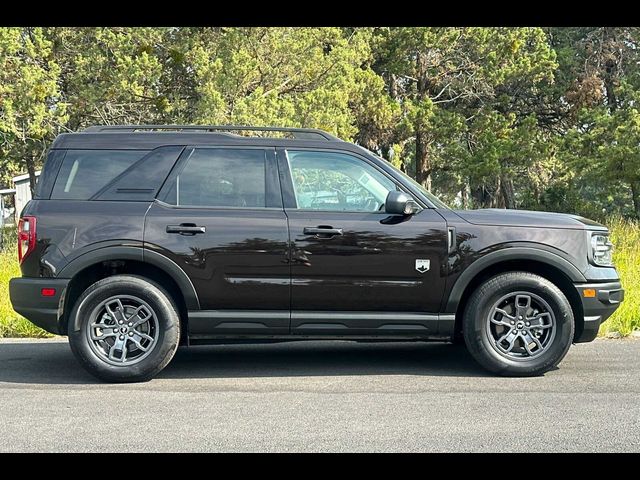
{"x": 329, "y": 181}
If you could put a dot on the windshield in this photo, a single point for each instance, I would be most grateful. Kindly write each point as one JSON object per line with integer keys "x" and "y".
{"x": 432, "y": 198}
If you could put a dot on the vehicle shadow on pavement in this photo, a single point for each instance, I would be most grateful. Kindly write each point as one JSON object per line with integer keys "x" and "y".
{"x": 315, "y": 358}
{"x": 53, "y": 363}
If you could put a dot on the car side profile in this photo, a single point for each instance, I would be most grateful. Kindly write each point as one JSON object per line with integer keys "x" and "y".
{"x": 143, "y": 238}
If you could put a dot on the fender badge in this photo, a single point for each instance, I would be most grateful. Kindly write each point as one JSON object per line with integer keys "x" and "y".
{"x": 423, "y": 265}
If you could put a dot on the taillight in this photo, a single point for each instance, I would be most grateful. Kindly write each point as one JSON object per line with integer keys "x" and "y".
{"x": 26, "y": 237}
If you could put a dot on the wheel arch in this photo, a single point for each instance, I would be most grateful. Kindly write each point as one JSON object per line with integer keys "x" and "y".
{"x": 108, "y": 261}
{"x": 554, "y": 268}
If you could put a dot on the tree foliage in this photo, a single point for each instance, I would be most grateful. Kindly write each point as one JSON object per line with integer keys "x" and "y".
{"x": 483, "y": 116}
{"x": 31, "y": 107}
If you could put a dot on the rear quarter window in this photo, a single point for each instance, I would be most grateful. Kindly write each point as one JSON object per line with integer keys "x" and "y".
{"x": 85, "y": 172}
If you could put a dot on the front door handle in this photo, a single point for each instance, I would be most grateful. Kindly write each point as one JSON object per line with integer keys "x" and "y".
{"x": 186, "y": 229}
{"x": 322, "y": 231}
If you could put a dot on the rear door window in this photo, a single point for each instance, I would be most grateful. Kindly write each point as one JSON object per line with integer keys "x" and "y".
{"x": 85, "y": 172}
{"x": 219, "y": 177}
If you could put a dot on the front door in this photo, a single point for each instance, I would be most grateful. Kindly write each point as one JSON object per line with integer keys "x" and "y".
{"x": 219, "y": 216}
{"x": 354, "y": 268}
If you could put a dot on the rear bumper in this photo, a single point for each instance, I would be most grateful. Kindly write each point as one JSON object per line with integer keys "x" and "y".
{"x": 597, "y": 309}
{"x": 27, "y": 300}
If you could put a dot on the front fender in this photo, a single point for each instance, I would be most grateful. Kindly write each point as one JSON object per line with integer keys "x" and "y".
{"x": 505, "y": 255}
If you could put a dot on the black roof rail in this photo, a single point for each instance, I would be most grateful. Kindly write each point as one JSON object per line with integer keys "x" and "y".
{"x": 298, "y": 133}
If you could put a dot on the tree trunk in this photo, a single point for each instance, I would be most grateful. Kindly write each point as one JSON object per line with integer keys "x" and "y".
{"x": 385, "y": 150}
{"x": 635, "y": 195}
{"x": 423, "y": 164}
{"x": 481, "y": 197}
{"x": 423, "y": 168}
{"x": 393, "y": 86}
{"x": 497, "y": 201}
{"x": 31, "y": 169}
{"x": 464, "y": 195}
{"x": 507, "y": 191}
{"x": 610, "y": 73}
{"x": 609, "y": 86}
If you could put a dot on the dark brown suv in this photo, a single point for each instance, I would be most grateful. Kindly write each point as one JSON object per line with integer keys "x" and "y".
{"x": 142, "y": 238}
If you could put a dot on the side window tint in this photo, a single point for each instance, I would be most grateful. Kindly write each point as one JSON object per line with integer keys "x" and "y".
{"x": 219, "y": 177}
{"x": 85, "y": 172}
{"x": 337, "y": 181}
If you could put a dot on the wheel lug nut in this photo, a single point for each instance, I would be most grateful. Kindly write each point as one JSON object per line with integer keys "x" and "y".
{"x": 131, "y": 334}
{"x": 528, "y": 324}
{"x": 520, "y": 317}
{"x": 130, "y": 323}
{"x": 120, "y": 322}
{"x": 121, "y": 337}
{"x": 512, "y": 322}
{"x": 115, "y": 330}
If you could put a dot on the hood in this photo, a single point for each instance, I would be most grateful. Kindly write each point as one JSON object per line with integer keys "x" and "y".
{"x": 527, "y": 218}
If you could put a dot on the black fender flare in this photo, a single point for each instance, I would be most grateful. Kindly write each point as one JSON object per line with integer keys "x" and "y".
{"x": 141, "y": 255}
{"x": 511, "y": 253}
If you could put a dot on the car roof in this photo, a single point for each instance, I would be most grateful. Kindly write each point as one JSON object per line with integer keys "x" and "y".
{"x": 151, "y": 140}
{"x": 153, "y": 136}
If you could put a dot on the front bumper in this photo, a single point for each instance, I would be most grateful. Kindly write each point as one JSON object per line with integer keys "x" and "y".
{"x": 27, "y": 300}
{"x": 597, "y": 309}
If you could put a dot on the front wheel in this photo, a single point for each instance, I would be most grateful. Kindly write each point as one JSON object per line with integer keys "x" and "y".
{"x": 518, "y": 324}
{"x": 124, "y": 329}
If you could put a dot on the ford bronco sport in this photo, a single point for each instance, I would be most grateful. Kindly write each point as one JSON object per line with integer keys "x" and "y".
{"x": 143, "y": 238}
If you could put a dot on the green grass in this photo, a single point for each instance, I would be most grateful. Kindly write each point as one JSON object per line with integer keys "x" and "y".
{"x": 12, "y": 324}
{"x": 624, "y": 234}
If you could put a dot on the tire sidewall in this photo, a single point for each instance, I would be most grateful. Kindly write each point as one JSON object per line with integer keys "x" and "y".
{"x": 527, "y": 283}
{"x": 168, "y": 328}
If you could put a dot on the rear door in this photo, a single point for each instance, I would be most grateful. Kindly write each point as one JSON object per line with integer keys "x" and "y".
{"x": 219, "y": 216}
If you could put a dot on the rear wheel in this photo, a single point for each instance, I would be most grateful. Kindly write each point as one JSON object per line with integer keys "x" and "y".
{"x": 124, "y": 329}
{"x": 519, "y": 324}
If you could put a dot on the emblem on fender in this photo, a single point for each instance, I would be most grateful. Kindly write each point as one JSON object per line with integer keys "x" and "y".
{"x": 422, "y": 265}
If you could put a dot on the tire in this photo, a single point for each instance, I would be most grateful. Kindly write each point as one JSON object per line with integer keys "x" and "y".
{"x": 484, "y": 324}
{"x": 139, "y": 299}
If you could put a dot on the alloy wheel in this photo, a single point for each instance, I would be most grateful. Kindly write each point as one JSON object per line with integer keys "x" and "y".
{"x": 521, "y": 325}
{"x": 123, "y": 330}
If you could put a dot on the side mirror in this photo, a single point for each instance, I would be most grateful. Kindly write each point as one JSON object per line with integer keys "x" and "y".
{"x": 399, "y": 203}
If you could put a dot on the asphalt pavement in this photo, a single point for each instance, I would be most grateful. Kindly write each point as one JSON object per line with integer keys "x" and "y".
{"x": 321, "y": 396}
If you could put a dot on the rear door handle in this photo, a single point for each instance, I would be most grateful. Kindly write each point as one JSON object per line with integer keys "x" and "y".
{"x": 186, "y": 229}
{"x": 322, "y": 231}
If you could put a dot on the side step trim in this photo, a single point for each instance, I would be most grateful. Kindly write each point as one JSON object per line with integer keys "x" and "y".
{"x": 243, "y": 323}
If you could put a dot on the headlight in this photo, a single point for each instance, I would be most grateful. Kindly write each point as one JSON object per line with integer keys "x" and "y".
{"x": 601, "y": 250}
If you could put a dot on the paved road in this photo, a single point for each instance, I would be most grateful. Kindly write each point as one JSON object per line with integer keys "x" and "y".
{"x": 331, "y": 396}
